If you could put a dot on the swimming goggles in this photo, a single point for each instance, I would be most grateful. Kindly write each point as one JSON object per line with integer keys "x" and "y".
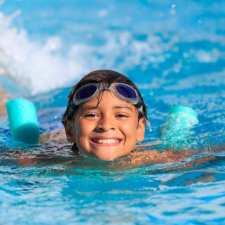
{"x": 91, "y": 90}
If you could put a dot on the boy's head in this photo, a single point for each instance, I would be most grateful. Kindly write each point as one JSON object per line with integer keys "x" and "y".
{"x": 105, "y": 115}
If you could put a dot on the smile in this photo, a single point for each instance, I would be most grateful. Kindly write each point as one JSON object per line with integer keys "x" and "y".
{"x": 106, "y": 141}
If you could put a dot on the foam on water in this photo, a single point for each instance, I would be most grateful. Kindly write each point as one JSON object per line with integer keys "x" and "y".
{"x": 40, "y": 66}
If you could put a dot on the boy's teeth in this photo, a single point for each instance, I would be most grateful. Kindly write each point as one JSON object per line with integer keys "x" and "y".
{"x": 106, "y": 141}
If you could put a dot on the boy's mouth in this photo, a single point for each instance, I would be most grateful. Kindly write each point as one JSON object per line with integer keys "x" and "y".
{"x": 106, "y": 141}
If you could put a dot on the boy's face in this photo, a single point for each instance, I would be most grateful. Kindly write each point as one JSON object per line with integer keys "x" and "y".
{"x": 107, "y": 128}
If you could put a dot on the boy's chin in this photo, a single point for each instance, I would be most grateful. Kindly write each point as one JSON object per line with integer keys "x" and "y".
{"x": 107, "y": 155}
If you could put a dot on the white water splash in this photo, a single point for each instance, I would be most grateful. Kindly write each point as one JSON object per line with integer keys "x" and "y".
{"x": 42, "y": 67}
{"x": 38, "y": 67}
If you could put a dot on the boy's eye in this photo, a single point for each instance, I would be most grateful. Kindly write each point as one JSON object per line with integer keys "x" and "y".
{"x": 90, "y": 115}
{"x": 122, "y": 115}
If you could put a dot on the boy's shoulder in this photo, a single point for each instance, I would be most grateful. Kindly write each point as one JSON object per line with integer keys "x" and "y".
{"x": 56, "y": 136}
{"x": 141, "y": 157}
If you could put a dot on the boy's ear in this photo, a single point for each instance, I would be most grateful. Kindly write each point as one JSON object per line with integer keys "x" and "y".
{"x": 141, "y": 129}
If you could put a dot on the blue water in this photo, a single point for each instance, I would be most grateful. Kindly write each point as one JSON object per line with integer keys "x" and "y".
{"x": 173, "y": 50}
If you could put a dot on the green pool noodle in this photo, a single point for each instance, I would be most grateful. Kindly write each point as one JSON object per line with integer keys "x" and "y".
{"x": 176, "y": 131}
{"x": 23, "y": 120}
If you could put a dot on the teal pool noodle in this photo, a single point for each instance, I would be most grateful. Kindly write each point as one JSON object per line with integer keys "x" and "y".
{"x": 176, "y": 131}
{"x": 23, "y": 120}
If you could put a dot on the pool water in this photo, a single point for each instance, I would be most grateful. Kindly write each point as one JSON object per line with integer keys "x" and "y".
{"x": 173, "y": 50}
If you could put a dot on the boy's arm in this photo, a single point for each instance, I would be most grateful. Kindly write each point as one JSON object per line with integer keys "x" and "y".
{"x": 154, "y": 156}
{"x": 56, "y": 136}
{"x": 217, "y": 148}
{"x": 147, "y": 157}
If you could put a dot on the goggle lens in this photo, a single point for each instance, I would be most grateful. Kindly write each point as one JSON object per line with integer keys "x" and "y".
{"x": 85, "y": 92}
{"x": 88, "y": 91}
{"x": 126, "y": 92}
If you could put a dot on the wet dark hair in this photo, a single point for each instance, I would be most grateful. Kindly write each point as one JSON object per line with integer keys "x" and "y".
{"x": 101, "y": 76}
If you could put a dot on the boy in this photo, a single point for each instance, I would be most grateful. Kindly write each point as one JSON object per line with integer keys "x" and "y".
{"x": 105, "y": 118}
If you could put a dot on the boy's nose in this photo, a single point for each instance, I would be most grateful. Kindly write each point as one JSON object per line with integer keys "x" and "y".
{"x": 105, "y": 124}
